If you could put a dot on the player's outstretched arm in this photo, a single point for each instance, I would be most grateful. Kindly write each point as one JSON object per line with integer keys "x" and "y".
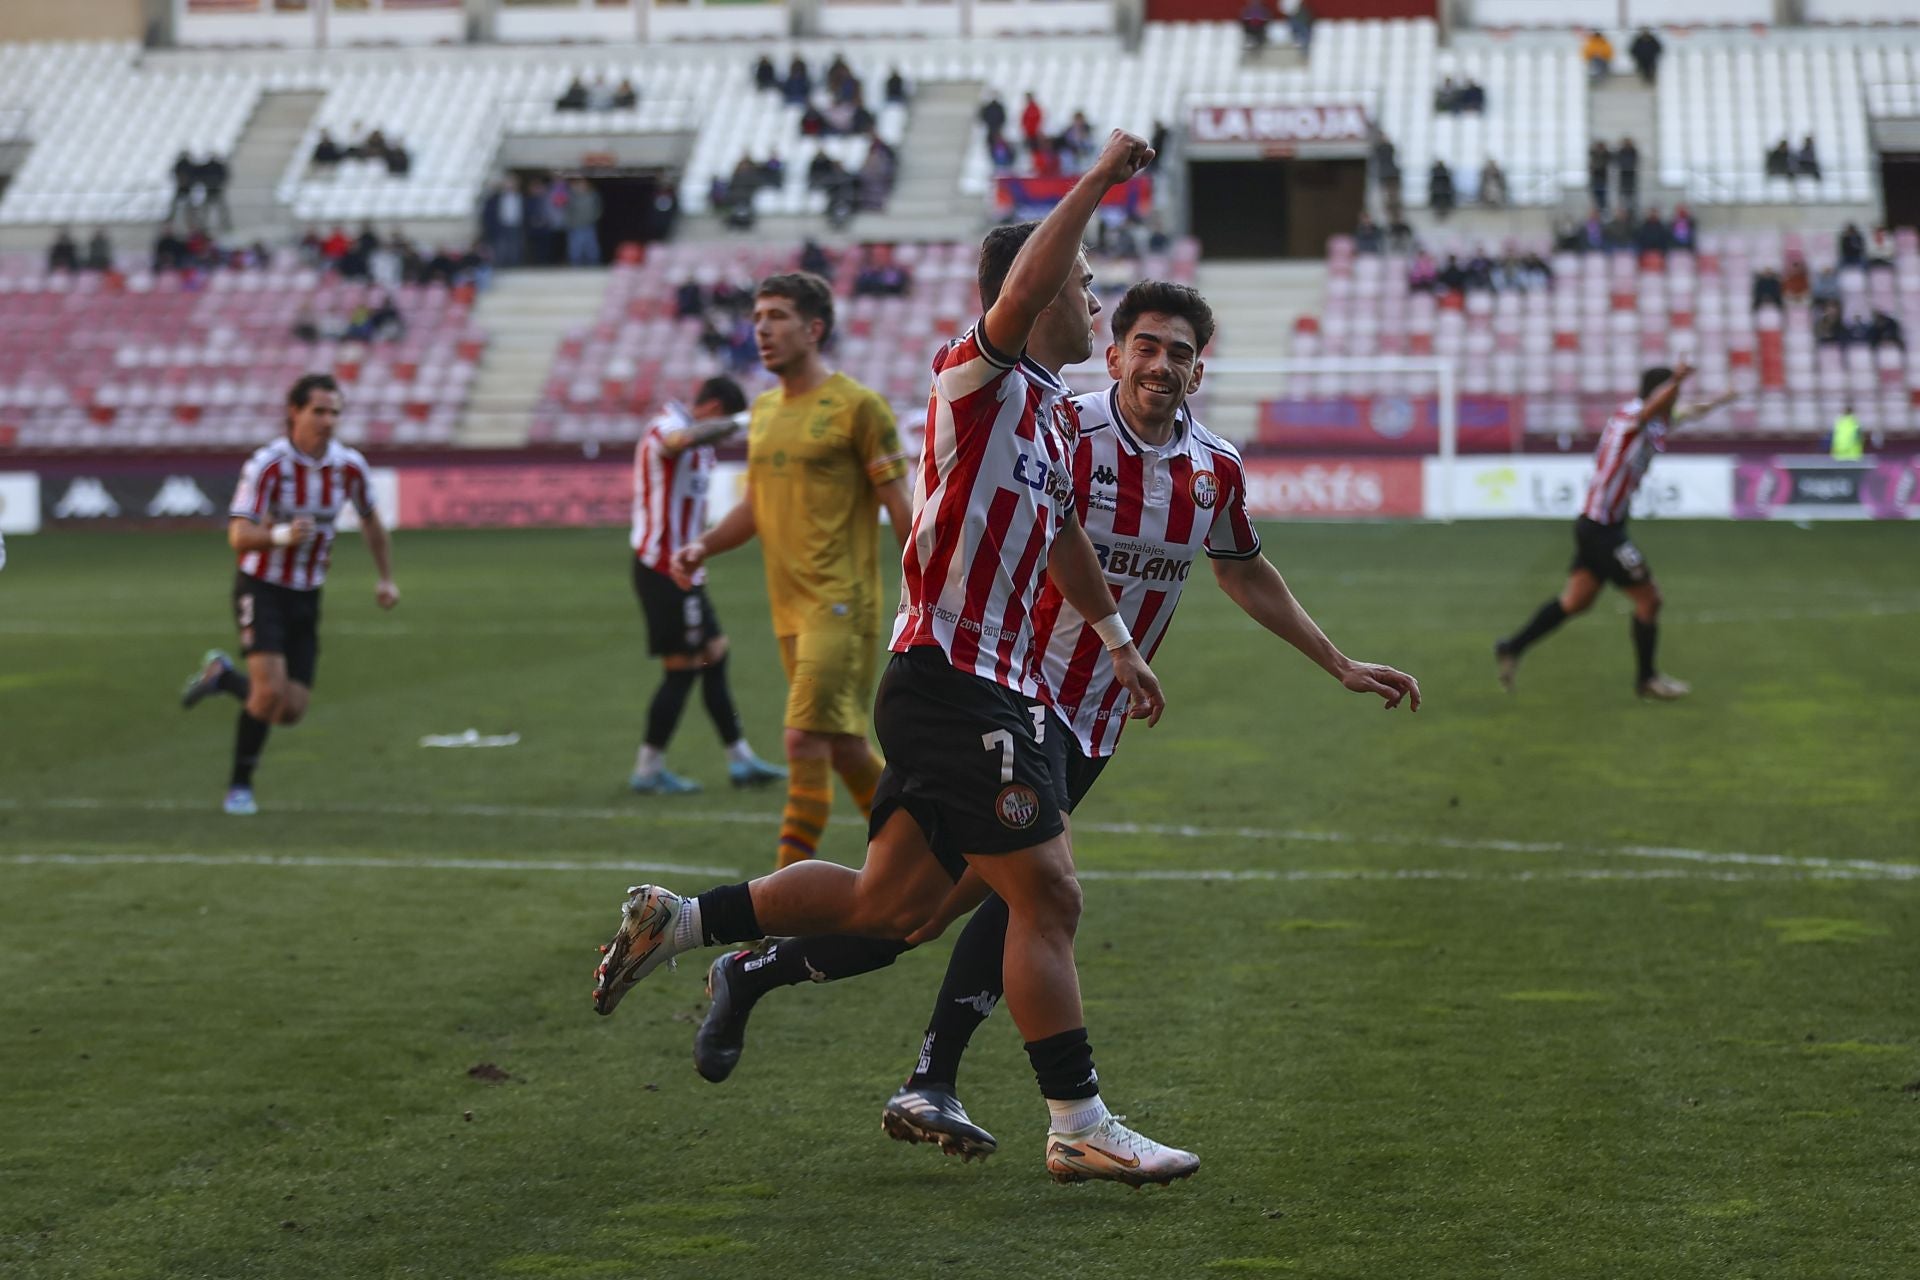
{"x": 705, "y": 431}
{"x": 1263, "y": 595}
{"x": 1701, "y": 408}
{"x": 735, "y": 529}
{"x": 1040, "y": 269}
{"x": 1074, "y": 567}
{"x": 380, "y": 547}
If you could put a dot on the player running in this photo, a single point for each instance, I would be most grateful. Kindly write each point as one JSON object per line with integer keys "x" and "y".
{"x": 1602, "y": 551}
{"x": 975, "y": 784}
{"x": 1155, "y": 490}
{"x": 672, "y": 467}
{"x": 282, "y": 526}
{"x": 823, "y": 457}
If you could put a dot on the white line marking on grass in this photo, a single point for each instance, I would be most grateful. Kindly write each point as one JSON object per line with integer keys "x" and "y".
{"x": 1175, "y": 831}
{"x": 1184, "y": 875}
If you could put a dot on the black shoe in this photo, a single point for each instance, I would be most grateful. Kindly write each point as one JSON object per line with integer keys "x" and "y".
{"x": 723, "y": 1032}
{"x": 932, "y": 1113}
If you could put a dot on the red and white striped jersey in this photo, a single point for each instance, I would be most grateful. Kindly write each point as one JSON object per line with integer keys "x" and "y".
{"x": 1150, "y": 511}
{"x": 990, "y": 493}
{"x": 1621, "y": 462}
{"x": 669, "y": 492}
{"x": 280, "y": 483}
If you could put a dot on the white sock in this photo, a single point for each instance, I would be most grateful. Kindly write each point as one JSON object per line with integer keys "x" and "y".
{"x": 739, "y": 752}
{"x": 686, "y": 928}
{"x": 648, "y": 762}
{"x": 1071, "y": 1115}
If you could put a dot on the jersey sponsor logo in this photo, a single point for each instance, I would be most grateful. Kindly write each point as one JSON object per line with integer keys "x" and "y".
{"x": 1035, "y": 473}
{"x": 1104, "y": 474}
{"x": 180, "y": 496}
{"x": 1146, "y": 561}
{"x": 1205, "y": 490}
{"x": 1017, "y": 806}
{"x": 86, "y": 499}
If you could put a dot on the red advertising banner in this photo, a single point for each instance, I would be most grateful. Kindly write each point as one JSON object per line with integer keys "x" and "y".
{"x": 1302, "y": 122}
{"x": 1408, "y": 425}
{"x": 1035, "y": 197}
{"x": 565, "y": 494}
{"x": 1349, "y": 488}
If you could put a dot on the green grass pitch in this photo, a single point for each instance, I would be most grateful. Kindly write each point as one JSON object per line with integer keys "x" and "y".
{"x": 1556, "y": 985}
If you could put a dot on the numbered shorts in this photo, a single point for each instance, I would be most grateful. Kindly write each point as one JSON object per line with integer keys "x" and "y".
{"x": 1605, "y": 551}
{"x": 829, "y": 681}
{"x": 679, "y": 623}
{"x": 276, "y": 619}
{"x": 981, "y": 769}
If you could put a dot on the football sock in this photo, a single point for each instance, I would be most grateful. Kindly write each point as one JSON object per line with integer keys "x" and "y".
{"x": 719, "y": 699}
{"x": 669, "y": 700}
{"x": 1549, "y": 616}
{"x": 738, "y": 752}
{"x": 788, "y": 962}
{"x": 1063, "y": 1064}
{"x": 649, "y": 761}
{"x": 235, "y": 683}
{"x": 972, "y": 987}
{"x": 248, "y": 741}
{"x": 809, "y": 800}
{"x": 1646, "y": 635}
{"x": 861, "y": 779}
{"x": 724, "y": 914}
{"x": 1071, "y": 1117}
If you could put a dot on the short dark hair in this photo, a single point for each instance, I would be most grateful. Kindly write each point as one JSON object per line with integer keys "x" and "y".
{"x": 810, "y": 295}
{"x": 723, "y": 391}
{"x": 300, "y": 394}
{"x": 1168, "y": 298}
{"x": 1652, "y": 379}
{"x": 997, "y": 252}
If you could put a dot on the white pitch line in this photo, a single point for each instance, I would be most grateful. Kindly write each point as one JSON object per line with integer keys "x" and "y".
{"x": 1185, "y": 875}
{"x": 1175, "y": 831}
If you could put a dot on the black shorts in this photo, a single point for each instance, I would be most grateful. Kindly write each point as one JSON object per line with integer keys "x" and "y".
{"x": 982, "y": 769}
{"x": 679, "y": 623}
{"x": 276, "y": 619}
{"x": 1605, "y": 551}
{"x": 1083, "y": 770}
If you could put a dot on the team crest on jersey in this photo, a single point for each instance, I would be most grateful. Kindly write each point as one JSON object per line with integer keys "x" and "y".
{"x": 1205, "y": 489}
{"x": 1018, "y": 806}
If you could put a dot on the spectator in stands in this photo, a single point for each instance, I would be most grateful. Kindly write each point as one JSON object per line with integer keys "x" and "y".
{"x": 1300, "y": 26}
{"x": 1032, "y": 121}
{"x": 186, "y": 175}
{"x": 880, "y": 276}
{"x": 842, "y": 84}
{"x": 798, "y": 85}
{"x": 1796, "y": 284}
{"x": 1446, "y": 99}
{"x": 502, "y": 222}
{"x": 1566, "y": 236}
{"x": 65, "y": 253}
{"x": 1681, "y": 228}
{"x": 814, "y": 259}
{"x": 1386, "y": 168}
{"x": 169, "y": 250}
{"x": 574, "y": 98}
{"x": 1593, "y": 232}
{"x": 99, "y": 251}
{"x": 327, "y": 152}
{"x": 335, "y": 246}
{"x": 1000, "y": 153}
{"x": 1253, "y": 25}
{"x": 1859, "y": 329}
{"x": 1597, "y": 53}
{"x": 863, "y": 121}
{"x": 1535, "y": 272}
{"x": 1780, "y": 160}
{"x": 1452, "y": 277}
{"x": 1473, "y": 96}
{"x": 1880, "y": 251}
{"x": 1626, "y": 163}
{"x": 213, "y": 179}
{"x": 1652, "y": 237}
{"x": 1768, "y": 289}
{"x": 689, "y": 301}
{"x": 1645, "y": 51}
{"x": 896, "y": 87}
{"x": 371, "y": 147}
{"x": 536, "y": 216}
{"x": 1440, "y": 193}
{"x": 399, "y": 160}
{"x": 1399, "y": 232}
{"x": 1046, "y": 159}
{"x": 625, "y": 96}
{"x": 1884, "y": 328}
{"x": 993, "y": 114}
{"x": 1826, "y": 286}
{"x": 765, "y": 76}
{"x": 1367, "y": 236}
{"x": 1806, "y": 161}
{"x": 1828, "y": 327}
{"x": 599, "y": 94}
{"x": 813, "y": 124}
{"x": 1619, "y": 231}
{"x": 1853, "y": 246}
{"x": 1076, "y": 143}
{"x": 1493, "y": 184}
{"x": 877, "y": 173}
{"x": 1599, "y": 163}
{"x": 1479, "y": 270}
{"x": 1421, "y": 272}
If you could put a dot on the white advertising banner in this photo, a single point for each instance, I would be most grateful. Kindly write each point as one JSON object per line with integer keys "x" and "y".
{"x": 1531, "y": 486}
{"x": 19, "y": 502}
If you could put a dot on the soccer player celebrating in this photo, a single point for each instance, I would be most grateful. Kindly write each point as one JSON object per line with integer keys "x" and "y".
{"x": 1155, "y": 490}
{"x": 823, "y": 456}
{"x": 975, "y": 784}
{"x": 282, "y": 526}
{"x": 672, "y": 467}
{"x": 1602, "y": 551}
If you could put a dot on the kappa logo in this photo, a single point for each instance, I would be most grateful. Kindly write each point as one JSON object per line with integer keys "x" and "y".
{"x": 1205, "y": 490}
{"x": 1104, "y": 474}
{"x": 1018, "y": 806}
{"x": 180, "y": 496}
{"x": 86, "y": 499}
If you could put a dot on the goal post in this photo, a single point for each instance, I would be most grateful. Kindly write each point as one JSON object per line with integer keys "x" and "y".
{"x": 1383, "y": 394}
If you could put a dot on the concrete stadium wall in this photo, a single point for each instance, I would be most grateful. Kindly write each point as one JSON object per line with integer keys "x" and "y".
{"x": 73, "y": 19}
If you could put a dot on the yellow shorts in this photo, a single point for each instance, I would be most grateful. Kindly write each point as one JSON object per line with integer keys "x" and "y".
{"x": 829, "y": 681}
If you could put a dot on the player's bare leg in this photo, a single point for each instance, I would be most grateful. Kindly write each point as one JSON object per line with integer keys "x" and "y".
{"x": 1649, "y": 683}
{"x": 1574, "y": 599}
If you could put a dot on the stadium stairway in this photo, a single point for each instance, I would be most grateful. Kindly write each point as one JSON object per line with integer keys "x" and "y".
{"x": 527, "y": 312}
{"x": 1254, "y": 306}
{"x": 265, "y": 149}
{"x": 1622, "y": 107}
